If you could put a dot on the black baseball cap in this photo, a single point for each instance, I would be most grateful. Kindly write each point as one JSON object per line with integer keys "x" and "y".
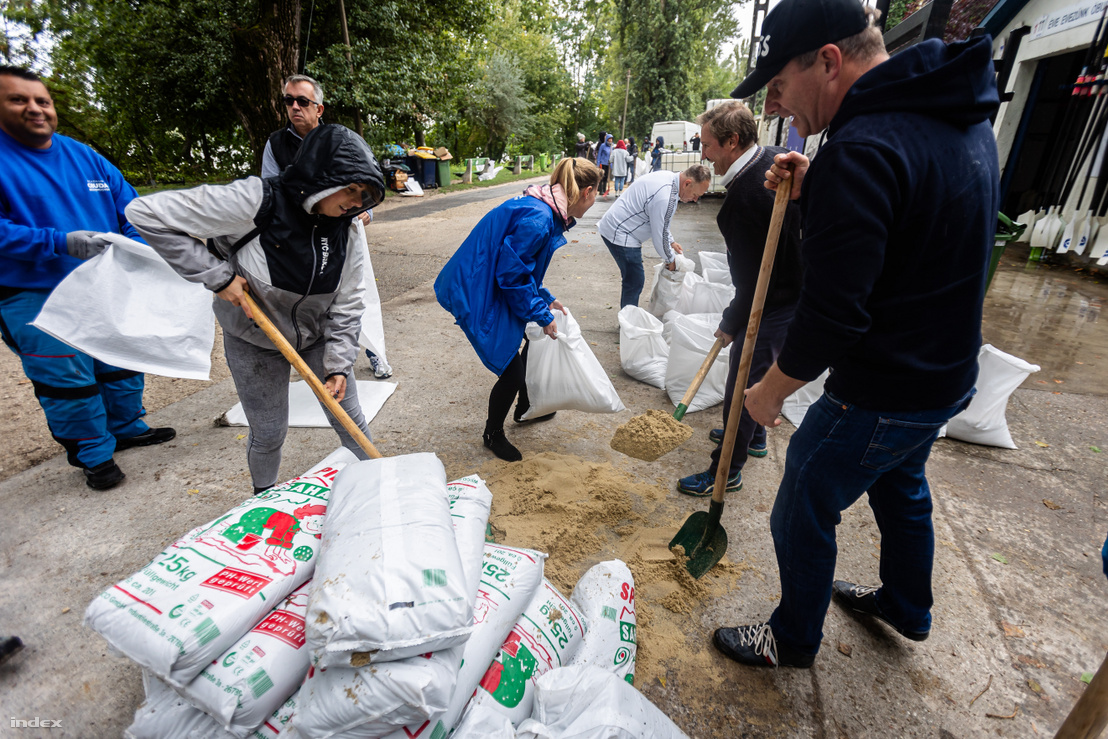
{"x": 795, "y": 27}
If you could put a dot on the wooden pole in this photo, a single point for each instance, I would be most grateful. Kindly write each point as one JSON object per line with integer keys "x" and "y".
{"x": 305, "y": 371}
{"x": 626, "y": 97}
{"x": 350, "y": 59}
{"x": 1090, "y": 714}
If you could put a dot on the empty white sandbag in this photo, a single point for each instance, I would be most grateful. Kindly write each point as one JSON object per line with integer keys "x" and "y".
{"x": 643, "y": 352}
{"x": 390, "y": 583}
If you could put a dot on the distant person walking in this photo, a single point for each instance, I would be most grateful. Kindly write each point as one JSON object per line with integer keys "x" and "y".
{"x": 582, "y": 146}
{"x": 633, "y": 152}
{"x": 656, "y": 155}
{"x": 620, "y": 163}
{"x": 603, "y": 160}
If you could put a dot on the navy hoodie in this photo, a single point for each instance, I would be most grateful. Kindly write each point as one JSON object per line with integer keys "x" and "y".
{"x": 900, "y": 211}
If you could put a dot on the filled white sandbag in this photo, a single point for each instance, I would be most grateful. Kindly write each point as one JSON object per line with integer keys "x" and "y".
{"x": 199, "y": 596}
{"x": 712, "y": 260}
{"x": 984, "y": 421}
{"x": 586, "y": 702}
{"x": 482, "y": 722}
{"x": 390, "y": 582}
{"x": 509, "y": 580}
{"x": 166, "y": 715}
{"x": 306, "y": 412}
{"x": 719, "y": 276}
{"x": 698, "y": 295}
{"x": 546, "y": 636}
{"x": 605, "y": 597}
{"x": 796, "y": 405}
{"x": 127, "y": 307}
{"x": 378, "y": 698}
{"x": 564, "y": 374}
{"x": 691, "y": 341}
{"x": 643, "y": 353}
{"x": 255, "y": 677}
{"x": 665, "y": 290}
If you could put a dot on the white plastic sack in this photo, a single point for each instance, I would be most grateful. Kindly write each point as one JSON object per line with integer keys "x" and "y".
{"x": 641, "y": 167}
{"x": 585, "y": 702}
{"x": 255, "y": 677}
{"x": 390, "y": 581}
{"x": 984, "y": 421}
{"x": 379, "y": 698}
{"x": 692, "y": 339}
{"x": 698, "y": 295}
{"x": 372, "y": 334}
{"x": 412, "y": 187}
{"x": 643, "y": 352}
{"x": 483, "y": 722}
{"x": 306, "y": 412}
{"x": 719, "y": 276}
{"x": 665, "y": 290}
{"x": 796, "y": 405}
{"x": 605, "y": 597}
{"x": 127, "y": 307}
{"x": 564, "y": 374}
{"x": 713, "y": 260}
{"x": 198, "y": 597}
{"x": 510, "y": 577}
{"x": 545, "y": 637}
{"x": 166, "y": 715}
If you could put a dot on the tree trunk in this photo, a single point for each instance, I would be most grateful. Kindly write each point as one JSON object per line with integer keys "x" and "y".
{"x": 266, "y": 53}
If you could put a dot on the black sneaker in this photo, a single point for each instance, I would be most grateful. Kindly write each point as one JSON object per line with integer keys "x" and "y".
{"x": 863, "y": 599}
{"x": 754, "y": 645}
{"x": 499, "y": 445}
{"x": 149, "y": 437}
{"x": 104, "y": 475}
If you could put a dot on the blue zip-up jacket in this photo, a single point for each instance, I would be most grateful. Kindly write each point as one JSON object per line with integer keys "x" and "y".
{"x": 899, "y": 214}
{"x": 493, "y": 283}
{"x": 604, "y": 155}
{"x": 45, "y": 194}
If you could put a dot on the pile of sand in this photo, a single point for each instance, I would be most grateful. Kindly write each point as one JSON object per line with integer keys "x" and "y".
{"x": 650, "y": 435}
{"x": 581, "y": 513}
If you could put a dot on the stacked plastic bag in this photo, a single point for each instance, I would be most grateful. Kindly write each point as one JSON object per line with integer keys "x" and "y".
{"x": 668, "y": 353}
{"x": 393, "y": 618}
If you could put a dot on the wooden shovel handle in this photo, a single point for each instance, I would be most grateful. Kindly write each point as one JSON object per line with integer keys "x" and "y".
{"x": 1089, "y": 715}
{"x": 317, "y": 387}
{"x": 698, "y": 380}
{"x": 759, "y": 302}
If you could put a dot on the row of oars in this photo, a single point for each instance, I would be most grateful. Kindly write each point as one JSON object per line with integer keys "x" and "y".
{"x": 1086, "y": 117}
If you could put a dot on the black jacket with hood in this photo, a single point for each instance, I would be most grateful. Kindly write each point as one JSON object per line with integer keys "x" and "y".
{"x": 303, "y": 268}
{"x": 899, "y": 212}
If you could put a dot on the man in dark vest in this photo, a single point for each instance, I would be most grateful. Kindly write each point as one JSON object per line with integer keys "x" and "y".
{"x": 303, "y": 100}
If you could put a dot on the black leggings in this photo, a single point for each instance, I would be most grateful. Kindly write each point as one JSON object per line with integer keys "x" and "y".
{"x": 603, "y": 187}
{"x": 512, "y": 382}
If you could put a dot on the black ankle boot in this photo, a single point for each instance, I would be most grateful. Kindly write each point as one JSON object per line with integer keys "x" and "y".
{"x": 501, "y": 447}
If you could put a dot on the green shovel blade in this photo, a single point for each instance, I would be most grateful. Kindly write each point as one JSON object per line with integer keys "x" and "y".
{"x": 703, "y": 539}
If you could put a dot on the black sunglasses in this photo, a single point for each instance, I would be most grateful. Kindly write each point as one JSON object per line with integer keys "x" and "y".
{"x": 302, "y": 101}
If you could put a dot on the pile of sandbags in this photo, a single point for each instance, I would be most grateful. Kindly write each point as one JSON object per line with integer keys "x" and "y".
{"x": 393, "y": 617}
{"x": 666, "y": 344}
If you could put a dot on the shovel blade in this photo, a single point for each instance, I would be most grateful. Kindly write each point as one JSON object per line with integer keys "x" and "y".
{"x": 704, "y": 541}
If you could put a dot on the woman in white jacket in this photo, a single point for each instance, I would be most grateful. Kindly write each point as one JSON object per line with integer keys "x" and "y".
{"x": 291, "y": 241}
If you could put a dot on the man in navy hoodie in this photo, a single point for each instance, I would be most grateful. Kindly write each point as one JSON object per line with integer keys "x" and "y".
{"x": 56, "y": 196}
{"x": 899, "y": 211}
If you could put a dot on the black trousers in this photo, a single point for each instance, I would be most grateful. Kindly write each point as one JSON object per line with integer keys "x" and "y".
{"x": 512, "y": 382}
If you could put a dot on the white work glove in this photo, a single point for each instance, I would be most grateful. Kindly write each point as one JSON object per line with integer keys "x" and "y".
{"x": 85, "y": 244}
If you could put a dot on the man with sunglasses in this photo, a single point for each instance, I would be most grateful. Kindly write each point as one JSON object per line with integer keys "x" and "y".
{"x": 303, "y": 99}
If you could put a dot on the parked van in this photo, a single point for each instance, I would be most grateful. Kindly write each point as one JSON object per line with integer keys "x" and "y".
{"x": 674, "y": 133}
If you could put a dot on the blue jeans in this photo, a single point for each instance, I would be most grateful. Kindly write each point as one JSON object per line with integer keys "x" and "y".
{"x": 620, "y": 182}
{"x": 629, "y": 261}
{"x": 88, "y": 404}
{"x": 839, "y": 452}
{"x": 771, "y": 337}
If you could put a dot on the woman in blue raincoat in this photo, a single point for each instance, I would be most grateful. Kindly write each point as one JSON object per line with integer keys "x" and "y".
{"x": 493, "y": 284}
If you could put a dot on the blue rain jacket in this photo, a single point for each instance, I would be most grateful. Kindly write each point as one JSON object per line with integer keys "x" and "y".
{"x": 493, "y": 283}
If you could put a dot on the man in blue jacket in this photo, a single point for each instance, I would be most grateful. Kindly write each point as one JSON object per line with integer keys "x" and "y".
{"x": 899, "y": 211}
{"x": 56, "y": 195}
